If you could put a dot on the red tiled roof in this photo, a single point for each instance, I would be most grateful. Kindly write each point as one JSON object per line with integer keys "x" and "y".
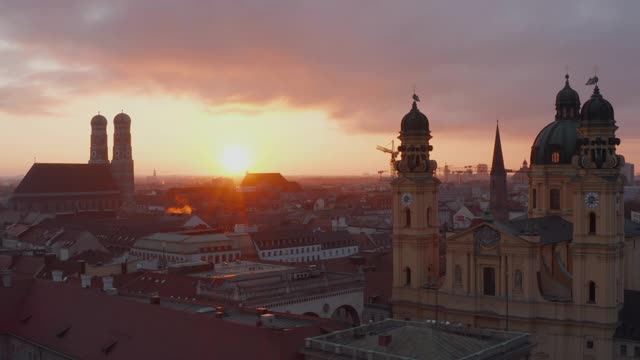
{"x": 65, "y": 178}
{"x": 85, "y": 324}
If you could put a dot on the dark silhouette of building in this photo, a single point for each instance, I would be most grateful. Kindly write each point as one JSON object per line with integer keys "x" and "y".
{"x": 96, "y": 186}
{"x": 498, "y": 187}
{"x": 122, "y": 162}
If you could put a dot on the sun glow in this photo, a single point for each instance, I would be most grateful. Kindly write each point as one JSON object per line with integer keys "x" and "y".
{"x": 235, "y": 159}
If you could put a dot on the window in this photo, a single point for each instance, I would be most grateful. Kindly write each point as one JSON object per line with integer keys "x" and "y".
{"x": 592, "y": 292}
{"x": 428, "y": 216}
{"x": 555, "y": 157}
{"x": 517, "y": 280}
{"x": 407, "y": 213}
{"x": 589, "y": 344}
{"x": 636, "y": 351}
{"x": 458, "y": 276}
{"x": 592, "y": 223}
{"x": 554, "y": 199}
{"x": 534, "y": 199}
{"x": 407, "y": 276}
{"x": 489, "y": 281}
{"x": 623, "y": 350}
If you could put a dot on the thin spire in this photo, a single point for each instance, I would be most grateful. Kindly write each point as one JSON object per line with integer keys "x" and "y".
{"x": 497, "y": 166}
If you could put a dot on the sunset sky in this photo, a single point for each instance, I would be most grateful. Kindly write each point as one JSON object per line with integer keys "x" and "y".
{"x": 304, "y": 87}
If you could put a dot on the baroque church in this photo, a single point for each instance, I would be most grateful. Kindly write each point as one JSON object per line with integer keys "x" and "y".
{"x": 99, "y": 185}
{"x": 562, "y": 274}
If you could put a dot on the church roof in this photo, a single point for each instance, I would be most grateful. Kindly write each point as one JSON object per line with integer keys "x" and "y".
{"x": 551, "y": 229}
{"x": 44, "y": 178}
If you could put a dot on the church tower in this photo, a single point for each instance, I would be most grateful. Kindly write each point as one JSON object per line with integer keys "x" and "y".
{"x": 551, "y": 170}
{"x": 598, "y": 226}
{"x": 415, "y": 212}
{"x": 122, "y": 163}
{"x": 498, "y": 185}
{"x": 99, "y": 151}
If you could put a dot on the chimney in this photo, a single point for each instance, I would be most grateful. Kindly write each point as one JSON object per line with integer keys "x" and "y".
{"x": 82, "y": 267}
{"x": 7, "y": 277}
{"x": 107, "y": 283}
{"x": 155, "y": 300}
{"x": 48, "y": 259}
{"x": 85, "y": 281}
{"x": 384, "y": 339}
{"x": 56, "y": 275}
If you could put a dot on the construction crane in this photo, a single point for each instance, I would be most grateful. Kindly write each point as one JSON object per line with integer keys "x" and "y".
{"x": 394, "y": 155}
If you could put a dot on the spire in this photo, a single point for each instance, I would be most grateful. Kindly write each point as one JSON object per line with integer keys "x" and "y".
{"x": 497, "y": 166}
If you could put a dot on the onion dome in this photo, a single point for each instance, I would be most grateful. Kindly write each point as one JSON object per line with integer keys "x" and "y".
{"x": 122, "y": 119}
{"x": 556, "y": 144}
{"x": 597, "y": 110}
{"x": 567, "y": 102}
{"x": 98, "y": 120}
{"x": 414, "y": 122}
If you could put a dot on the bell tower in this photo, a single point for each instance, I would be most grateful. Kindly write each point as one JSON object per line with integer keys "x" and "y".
{"x": 598, "y": 226}
{"x": 99, "y": 151}
{"x": 415, "y": 211}
{"x": 122, "y": 163}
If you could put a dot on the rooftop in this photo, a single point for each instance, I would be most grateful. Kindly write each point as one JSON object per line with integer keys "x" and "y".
{"x": 417, "y": 340}
{"x": 66, "y": 178}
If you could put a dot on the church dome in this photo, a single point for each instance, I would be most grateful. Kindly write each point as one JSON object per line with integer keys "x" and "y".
{"x": 597, "y": 109}
{"x": 567, "y": 96}
{"x": 414, "y": 121}
{"x": 556, "y": 143}
{"x": 567, "y": 102}
{"x": 122, "y": 119}
{"x": 98, "y": 120}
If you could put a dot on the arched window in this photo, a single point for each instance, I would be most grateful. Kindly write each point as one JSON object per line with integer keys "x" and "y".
{"x": 429, "y": 216}
{"x": 592, "y": 223}
{"x": 592, "y": 292}
{"x": 458, "y": 276}
{"x": 554, "y": 199}
{"x": 489, "y": 281}
{"x": 407, "y": 276}
{"x": 407, "y": 213}
{"x": 555, "y": 157}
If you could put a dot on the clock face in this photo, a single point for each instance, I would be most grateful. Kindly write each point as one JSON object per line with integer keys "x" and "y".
{"x": 407, "y": 199}
{"x": 591, "y": 199}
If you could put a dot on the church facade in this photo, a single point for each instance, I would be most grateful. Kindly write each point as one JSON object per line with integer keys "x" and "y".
{"x": 559, "y": 274}
{"x": 99, "y": 185}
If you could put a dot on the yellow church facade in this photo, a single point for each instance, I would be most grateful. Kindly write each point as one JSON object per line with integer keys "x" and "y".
{"x": 559, "y": 274}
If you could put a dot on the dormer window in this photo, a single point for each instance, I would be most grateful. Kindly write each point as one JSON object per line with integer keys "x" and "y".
{"x": 555, "y": 157}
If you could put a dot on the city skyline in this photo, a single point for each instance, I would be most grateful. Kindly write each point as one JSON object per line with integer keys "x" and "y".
{"x": 254, "y": 84}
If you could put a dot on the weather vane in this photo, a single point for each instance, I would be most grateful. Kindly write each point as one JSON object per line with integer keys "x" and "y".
{"x": 415, "y": 97}
{"x": 593, "y": 80}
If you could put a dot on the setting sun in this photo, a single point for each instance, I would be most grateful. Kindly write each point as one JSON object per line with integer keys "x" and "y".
{"x": 235, "y": 159}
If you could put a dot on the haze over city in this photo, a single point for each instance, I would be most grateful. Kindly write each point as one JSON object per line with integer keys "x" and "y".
{"x": 305, "y": 87}
{"x": 319, "y": 180}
